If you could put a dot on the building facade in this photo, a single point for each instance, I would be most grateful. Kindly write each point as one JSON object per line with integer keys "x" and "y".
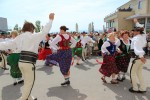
{"x": 3, "y": 24}
{"x": 122, "y": 19}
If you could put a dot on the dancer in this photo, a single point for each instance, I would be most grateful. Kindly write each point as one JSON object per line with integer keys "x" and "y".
{"x": 27, "y": 43}
{"x": 3, "y": 54}
{"x": 64, "y": 53}
{"x": 78, "y": 49}
{"x": 85, "y": 39}
{"x": 46, "y": 49}
{"x": 138, "y": 42}
{"x": 13, "y": 60}
{"x": 109, "y": 67}
{"x": 123, "y": 58}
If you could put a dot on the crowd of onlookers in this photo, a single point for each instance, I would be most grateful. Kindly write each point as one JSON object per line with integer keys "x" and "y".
{"x": 99, "y": 39}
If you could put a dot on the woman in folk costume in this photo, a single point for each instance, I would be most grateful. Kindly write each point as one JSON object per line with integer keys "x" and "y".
{"x": 27, "y": 43}
{"x": 46, "y": 49}
{"x": 78, "y": 49}
{"x": 3, "y": 54}
{"x": 109, "y": 67}
{"x": 13, "y": 60}
{"x": 64, "y": 53}
{"x": 123, "y": 58}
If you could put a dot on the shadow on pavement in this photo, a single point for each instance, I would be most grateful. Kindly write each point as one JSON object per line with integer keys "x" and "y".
{"x": 122, "y": 91}
{"x": 48, "y": 70}
{"x": 11, "y": 92}
{"x": 145, "y": 68}
{"x": 82, "y": 67}
{"x": 91, "y": 64}
{"x": 2, "y": 72}
{"x": 66, "y": 93}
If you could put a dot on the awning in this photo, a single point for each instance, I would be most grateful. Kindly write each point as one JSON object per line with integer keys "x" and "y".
{"x": 138, "y": 16}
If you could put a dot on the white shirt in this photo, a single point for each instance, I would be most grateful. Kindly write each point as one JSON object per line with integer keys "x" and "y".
{"x": 137, "y": 44}
{"x": 57, "y": 39}
{"x": 107, "y": 44}
{"x": 86, "y": 39}
{"x": 27, "y": 41}
{"x": 2, "y": 40}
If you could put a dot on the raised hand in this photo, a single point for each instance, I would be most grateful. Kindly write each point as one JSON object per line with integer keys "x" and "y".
{"x": 51, "y": 16}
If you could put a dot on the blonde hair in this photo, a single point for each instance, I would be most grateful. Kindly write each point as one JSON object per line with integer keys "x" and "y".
{"x": 14, "y": 33}
{"x": 110, "y": 34}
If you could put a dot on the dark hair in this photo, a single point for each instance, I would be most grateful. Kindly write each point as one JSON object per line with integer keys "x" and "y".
{"x": 125, "y": 32}
{"x": 28, "y": 27}
{"x": 79, "y": 37}
{"x": 64, "y": 28}
{"x": 48, "y": 35}
{"x": 139, "y": 29}
{"x": 83, "y": 32}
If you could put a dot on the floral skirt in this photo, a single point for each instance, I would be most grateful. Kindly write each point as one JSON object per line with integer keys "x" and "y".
{"x": 122, "y": 62}
{"x": 109, "y": 67}
{"x": 63, "y": 58}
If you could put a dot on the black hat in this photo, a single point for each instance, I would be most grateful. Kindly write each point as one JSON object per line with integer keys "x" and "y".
{"x": 139, "y": 29}
{"x": 83, "y": 32}
{"x": 64, "y": 28}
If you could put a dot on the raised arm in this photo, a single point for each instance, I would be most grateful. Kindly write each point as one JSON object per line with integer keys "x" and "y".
{"x": 48, "y": 26}
{"x": 41, "y": 35}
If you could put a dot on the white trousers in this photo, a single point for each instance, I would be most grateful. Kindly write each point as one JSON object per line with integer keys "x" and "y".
{"x": 4, "y": 60}
{"x": 28, "y": 74}
{"x": 84, "y": 53}
{"x": 136, "y": 73}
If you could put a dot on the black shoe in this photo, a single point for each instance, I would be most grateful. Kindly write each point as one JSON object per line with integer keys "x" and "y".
{"x": 133, "y": 91}
{"x": 22, "y": 81}
{"x": 65, "y": 83}
{"x": 15, "y": 83}
{"x": 78, "y": 64}
{"x": 141, "y": 91}
{"x": 123, "y": 78}
{"x": 35, "y": 99}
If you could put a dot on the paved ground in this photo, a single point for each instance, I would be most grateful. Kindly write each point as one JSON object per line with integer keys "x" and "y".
{"x": 85, "y": 84}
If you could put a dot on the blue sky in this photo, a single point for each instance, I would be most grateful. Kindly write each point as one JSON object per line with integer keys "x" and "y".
{"x": 67, "y": 12}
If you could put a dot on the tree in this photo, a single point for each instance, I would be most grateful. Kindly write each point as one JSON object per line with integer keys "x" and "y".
{"x": 16, "y": 27}
{"x": 89, "y": 28}
{"x": 77, "y": 30}
{"x": 37, "y": 26}
{"x": 92, "y": 27}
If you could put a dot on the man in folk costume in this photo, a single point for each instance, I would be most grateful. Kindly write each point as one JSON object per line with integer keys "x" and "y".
{"x": 137, "y": 45}
{"x": 27, "y": 43}
{"x": 85, "y": 39}
{"x": 64, "y": 53}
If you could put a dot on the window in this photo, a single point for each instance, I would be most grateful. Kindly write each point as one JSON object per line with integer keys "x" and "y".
{"x": 148, "y": 21}
{"x": 140, "y": 5}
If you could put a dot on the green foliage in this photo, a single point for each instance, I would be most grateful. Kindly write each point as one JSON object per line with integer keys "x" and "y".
{"x": 37, "y": 26}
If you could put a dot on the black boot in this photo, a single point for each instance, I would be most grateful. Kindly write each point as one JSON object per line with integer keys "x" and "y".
{"x": 15, "y": 83}
{"x": 66, "y": 83}
{"x": 20, "y": 82}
